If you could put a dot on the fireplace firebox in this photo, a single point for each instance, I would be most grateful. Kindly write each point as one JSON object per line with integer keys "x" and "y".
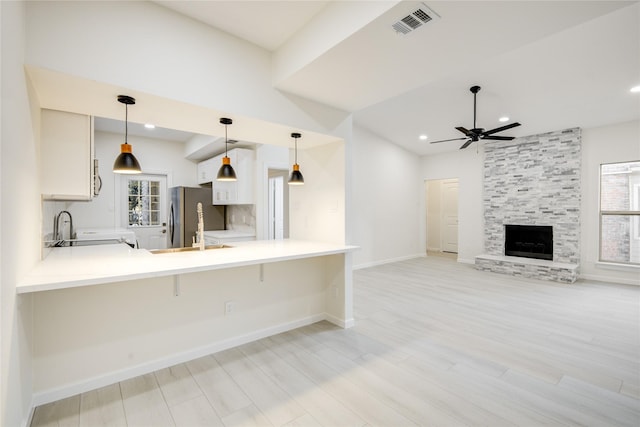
{"x": 529, "y": 241}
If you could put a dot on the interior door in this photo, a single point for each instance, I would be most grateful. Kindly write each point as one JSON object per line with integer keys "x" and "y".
{"x": 449, "y": 222}
{"x": 145, "y": 209}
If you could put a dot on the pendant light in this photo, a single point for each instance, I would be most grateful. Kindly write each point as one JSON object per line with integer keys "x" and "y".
{"x": 296, "y": 176}
{"x": 226, "y": 172}
{"x": 126, "y": 163}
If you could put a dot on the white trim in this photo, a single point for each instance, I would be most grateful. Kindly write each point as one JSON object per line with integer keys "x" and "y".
{"x": 262, "y": 212}
{"x": 617, "y": 266}
{"x": 387, "y": 261}
{"x": 609, "y": 279}
{"x": 58, "y": 393}
{"x": 345, "y": 324}
{"x": 29, "y": 419}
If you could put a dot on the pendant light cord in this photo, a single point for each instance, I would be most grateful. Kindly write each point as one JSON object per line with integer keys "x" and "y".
{"x": 225, "y": 141}
{"x": 126, "y": 123}
{"x": 296, "y": 139}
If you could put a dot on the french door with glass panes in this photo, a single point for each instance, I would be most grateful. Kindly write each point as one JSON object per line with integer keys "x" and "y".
{"x": 144, "y": 209}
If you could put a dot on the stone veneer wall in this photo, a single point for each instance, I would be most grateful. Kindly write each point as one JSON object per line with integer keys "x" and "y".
{"x": 534, "y": 181}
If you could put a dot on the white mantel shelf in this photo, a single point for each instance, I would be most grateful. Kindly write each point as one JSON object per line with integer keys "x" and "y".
{"x": 71, "y": 267}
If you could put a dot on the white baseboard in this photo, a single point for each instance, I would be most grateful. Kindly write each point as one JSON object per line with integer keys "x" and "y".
{"x": 609, "y": 279}
{"x": 346, "y": 324}
{"x": 69, "y": 390}
{"x": 467, "y": 261}
{"x": 388, "y": 261}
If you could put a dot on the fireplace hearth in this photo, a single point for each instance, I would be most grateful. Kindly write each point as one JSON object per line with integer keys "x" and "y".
{"x": 529, "y": 241}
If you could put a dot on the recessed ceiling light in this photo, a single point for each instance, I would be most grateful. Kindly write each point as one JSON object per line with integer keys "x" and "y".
{"x": 150, "y": 126}
{"x": 423, "y": 137}
{"x": 635, "y": 89}
{"x": 503, "y": 119}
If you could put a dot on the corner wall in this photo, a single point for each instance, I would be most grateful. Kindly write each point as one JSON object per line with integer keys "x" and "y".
{"x": 19, "y": 218}
{"x": 606, "y": 144}
{"x": 467, "y": 166}
{"x": 386, "y": 198}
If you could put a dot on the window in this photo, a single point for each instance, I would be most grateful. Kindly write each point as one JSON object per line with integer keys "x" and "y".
{"x": 620, "y": 212}
{"x": 144, "y": 202}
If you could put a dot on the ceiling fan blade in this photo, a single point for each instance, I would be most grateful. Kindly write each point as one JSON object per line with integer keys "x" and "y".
{"x": 465, "y": 131}
{"x": 499, "y": 138}
{"x": 447, "y": 140}
{"x": 500, "y": 129}
{"x": 466, "y": 144}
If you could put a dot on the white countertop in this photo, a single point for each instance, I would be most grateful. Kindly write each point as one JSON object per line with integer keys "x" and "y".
{"x": 222, "y": 234}
{"x": 69, "y": 267}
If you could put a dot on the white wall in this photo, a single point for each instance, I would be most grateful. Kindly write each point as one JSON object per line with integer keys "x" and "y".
{"x": 386, "y": 197}
{"x": 607, "y": 144}
{"x": 154, "y": 155}
{"x": 146, "y": 47}
{"x": 467, "y": 166}
{"x": 317, "y": 207}
{"x": 19, "y": 218}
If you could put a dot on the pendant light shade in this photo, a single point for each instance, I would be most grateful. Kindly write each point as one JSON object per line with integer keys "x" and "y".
{"x": 296, "y": 177}
{"x": 226, "y": 172}
{"x": 126, "y": 163}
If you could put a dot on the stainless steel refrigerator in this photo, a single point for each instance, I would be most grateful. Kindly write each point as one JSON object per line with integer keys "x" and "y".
{"x": 183, "y": 218}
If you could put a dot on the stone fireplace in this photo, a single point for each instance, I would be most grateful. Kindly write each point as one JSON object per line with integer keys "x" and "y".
{"x": 533, "y": 182}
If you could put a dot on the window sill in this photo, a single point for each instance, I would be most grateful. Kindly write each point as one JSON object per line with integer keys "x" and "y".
{"x": 617, "y": 266}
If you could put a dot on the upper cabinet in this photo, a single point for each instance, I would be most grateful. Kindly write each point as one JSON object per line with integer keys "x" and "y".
{"x": 67, "y": 156}
{"x": 207, "y": 170}
{"x": 238, "y": 192}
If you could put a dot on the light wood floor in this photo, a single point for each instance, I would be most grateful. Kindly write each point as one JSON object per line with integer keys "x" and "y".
{"x": 435, "y": 343}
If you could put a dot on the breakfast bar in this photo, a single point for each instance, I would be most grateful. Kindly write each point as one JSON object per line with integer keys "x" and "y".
{"x": 109, "y": 312}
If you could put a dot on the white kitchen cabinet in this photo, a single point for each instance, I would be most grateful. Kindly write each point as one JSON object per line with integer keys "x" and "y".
{"x": 67, "y": 156}
{"x": 238, "y": 192}
{"x": 207, "y": 170}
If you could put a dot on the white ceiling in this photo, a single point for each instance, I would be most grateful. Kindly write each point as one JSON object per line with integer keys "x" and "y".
{"x": 547, "y": 64}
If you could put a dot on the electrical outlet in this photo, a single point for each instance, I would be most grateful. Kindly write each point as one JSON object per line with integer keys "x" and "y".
{"x": 229, "y": 307}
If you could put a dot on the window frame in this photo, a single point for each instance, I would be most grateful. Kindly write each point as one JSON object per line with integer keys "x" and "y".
{"x": 635, "y": 212}
{"x": 161, "y": 214}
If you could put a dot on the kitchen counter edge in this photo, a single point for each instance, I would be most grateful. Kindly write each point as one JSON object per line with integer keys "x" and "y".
{"x": 103, "y": 264}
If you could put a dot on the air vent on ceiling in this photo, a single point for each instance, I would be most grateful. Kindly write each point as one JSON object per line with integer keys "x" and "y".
{"x": 415, "y": 20}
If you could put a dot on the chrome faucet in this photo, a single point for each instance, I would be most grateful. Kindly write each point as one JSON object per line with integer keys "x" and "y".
{"x": 198, "y": 240}
{"x": 57, "y": 235}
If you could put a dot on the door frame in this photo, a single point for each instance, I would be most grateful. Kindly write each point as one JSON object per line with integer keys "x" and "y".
{"x": 439, "y": 213}
{"x": 121, "y": 200}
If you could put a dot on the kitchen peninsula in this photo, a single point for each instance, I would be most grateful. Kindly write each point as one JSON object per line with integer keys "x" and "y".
{"x": 109, "y": 312}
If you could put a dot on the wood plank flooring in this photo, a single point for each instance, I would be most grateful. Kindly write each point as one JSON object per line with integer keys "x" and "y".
{"x": 435, "y": 343}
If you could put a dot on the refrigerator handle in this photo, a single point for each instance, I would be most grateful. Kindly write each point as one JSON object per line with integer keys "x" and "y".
{"x": 171, "y": 224}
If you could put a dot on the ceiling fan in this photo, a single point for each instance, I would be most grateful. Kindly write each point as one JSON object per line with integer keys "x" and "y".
{"x": 477, "y": 133}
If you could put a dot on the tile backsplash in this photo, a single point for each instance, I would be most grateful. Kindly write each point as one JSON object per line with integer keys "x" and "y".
{"x": 241, "y": 217}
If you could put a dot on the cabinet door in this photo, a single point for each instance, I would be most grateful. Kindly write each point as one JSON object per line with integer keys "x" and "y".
{"x": 238, "y": 192}
{"x": 207, "y": 171}
{"x": 245, "y": 170}
{"x": 66, "y": 153}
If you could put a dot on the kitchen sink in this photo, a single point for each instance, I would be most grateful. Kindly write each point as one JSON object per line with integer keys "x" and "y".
{"x": 188, "y": 249}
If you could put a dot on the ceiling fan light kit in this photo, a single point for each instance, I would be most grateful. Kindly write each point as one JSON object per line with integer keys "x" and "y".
{"x": 476, "y": 133}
